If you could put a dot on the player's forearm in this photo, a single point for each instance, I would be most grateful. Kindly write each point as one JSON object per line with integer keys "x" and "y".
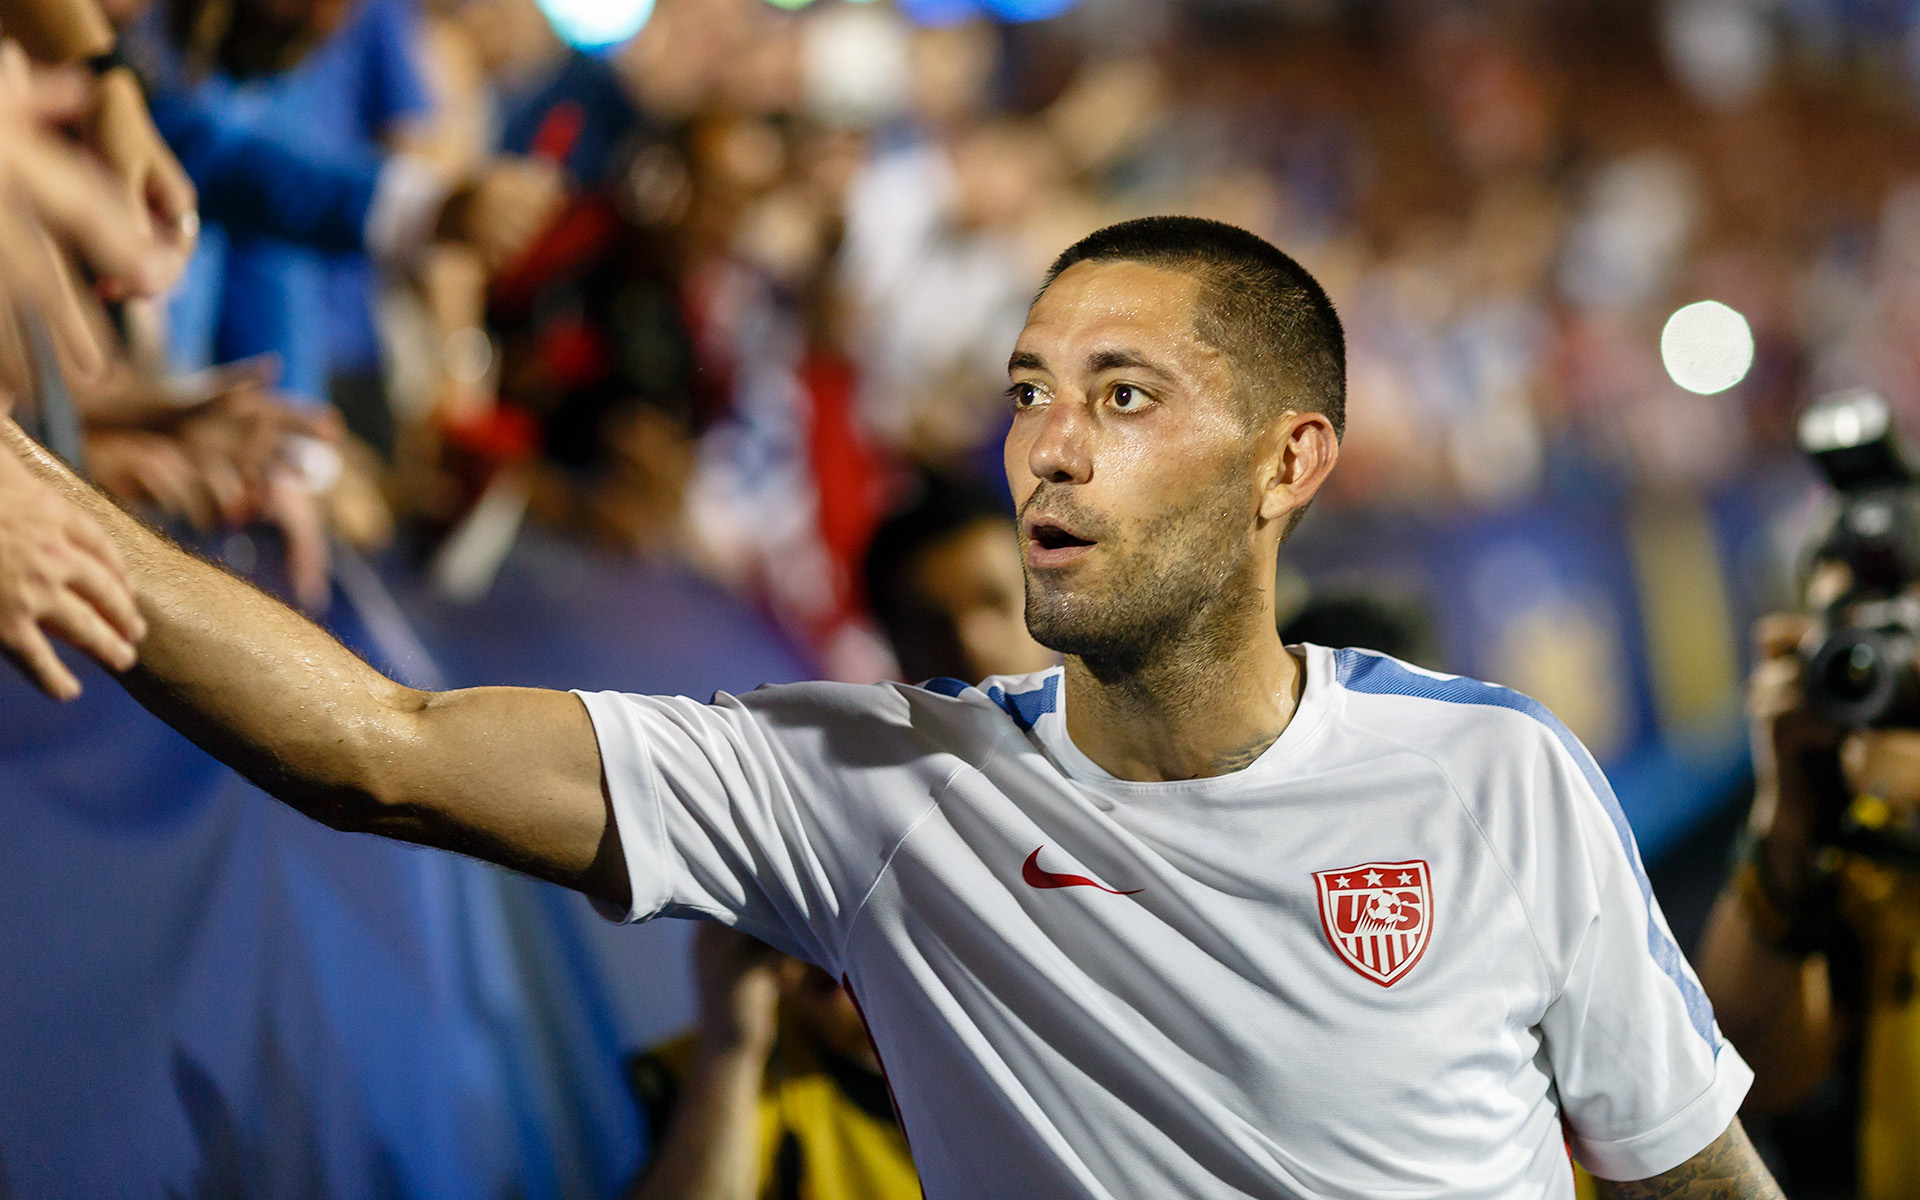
{"x": 247, "y": 678}
{"x": 1729, "y": 1169}
{"x": 712, "y": 1147}
{"x": 511, "y": 775}
{"x": 57, "y": 31}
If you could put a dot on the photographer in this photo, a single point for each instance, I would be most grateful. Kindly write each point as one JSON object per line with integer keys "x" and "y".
{"x": 1810, "y": 953}
{"x": 1808, "y": 960}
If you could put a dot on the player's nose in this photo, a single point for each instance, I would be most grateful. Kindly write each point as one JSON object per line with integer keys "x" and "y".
{"x": 1061, "y": 452}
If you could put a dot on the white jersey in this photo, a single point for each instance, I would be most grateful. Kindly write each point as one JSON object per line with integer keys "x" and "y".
{"x": 1408, "y": 952}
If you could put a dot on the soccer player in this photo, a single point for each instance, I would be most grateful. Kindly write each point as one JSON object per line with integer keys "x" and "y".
{"x": 1194, "y": 914}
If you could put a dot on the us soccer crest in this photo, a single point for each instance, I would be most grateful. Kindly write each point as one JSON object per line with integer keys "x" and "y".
{"x": 1378, "y": 915}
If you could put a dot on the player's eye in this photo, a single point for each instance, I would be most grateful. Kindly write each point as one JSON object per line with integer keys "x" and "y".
{"x": 1025, "y": 395}
{"x": 1126, "y": 397}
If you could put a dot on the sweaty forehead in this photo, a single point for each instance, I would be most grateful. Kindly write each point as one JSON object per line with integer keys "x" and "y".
{"x": 1093, "y": 306}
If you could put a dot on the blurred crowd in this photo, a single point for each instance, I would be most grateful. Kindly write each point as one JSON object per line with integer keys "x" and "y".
{"x": 740, "y": 276}
{"x": 728, "y": 288}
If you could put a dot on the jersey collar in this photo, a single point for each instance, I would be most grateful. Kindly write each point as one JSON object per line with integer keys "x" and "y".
{"x": 1050, "y": 730}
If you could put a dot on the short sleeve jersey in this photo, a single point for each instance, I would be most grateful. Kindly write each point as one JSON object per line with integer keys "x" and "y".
{"x": 1409, "y": 951}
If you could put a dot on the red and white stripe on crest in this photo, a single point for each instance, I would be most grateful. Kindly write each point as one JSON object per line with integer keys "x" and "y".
{"x": 1382, "y": 951}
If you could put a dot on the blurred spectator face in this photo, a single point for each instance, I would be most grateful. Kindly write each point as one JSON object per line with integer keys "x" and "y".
{"x": 786, "y": 235}
{"x": 652, "y": 458}
{"x": 121, "y": 12}
{"x": 624, "y": 476}
{"x": 1001, "y": 172}
{"x": 1130, "y": 461}
{"x": 1496, "y": 104}
{"x": 970, "y": 599}
{"x": 1108, "y": 108}
{"x": 734, "y": 161}
{"x": 506, "y": 32}
{"x": 764, "y": 74}
{"x": 253, "y": 38}
{"x": 952, "y": 70}
{"x": 317, "y": 18}
{"x": 673, "y": 66}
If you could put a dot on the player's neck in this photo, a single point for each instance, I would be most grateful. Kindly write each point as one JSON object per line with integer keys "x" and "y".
{"x": 1206, "y": 710}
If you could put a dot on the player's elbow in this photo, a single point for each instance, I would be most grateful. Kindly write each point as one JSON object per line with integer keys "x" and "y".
{"x": 380, "y": 775}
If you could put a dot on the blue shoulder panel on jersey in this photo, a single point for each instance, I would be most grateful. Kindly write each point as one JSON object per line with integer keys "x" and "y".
{"x": 1024, "y": 707}
{"x": 1027, "y": 707}
{"x": 1359, "y": 671}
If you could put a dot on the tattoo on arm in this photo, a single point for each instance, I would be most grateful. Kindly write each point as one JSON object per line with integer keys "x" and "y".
{"x": 1729, "y": 1169}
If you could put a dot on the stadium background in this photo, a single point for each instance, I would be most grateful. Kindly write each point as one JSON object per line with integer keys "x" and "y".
{"x": 206, "y": 995}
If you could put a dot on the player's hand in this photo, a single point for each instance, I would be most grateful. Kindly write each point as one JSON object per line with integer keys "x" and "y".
{"x": 738, "y": 984}
{"x": 160, "y": 197}
{"x": 501, "y": 211}
{"x": 59, "y": 577}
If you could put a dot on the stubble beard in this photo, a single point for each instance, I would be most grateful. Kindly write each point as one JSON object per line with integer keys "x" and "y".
{"x": 1166, "y": 603}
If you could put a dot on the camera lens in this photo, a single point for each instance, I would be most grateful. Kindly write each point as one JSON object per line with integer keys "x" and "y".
{"x": 1851, "y": 676}
{"x": 1862, "y": 677}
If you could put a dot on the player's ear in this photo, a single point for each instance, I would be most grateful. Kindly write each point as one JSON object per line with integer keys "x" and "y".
{"x": 1302, "y": 449}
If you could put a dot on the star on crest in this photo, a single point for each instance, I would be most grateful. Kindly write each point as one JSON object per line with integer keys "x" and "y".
{"x": 1406, "y": 877}
{"x": 1373, "y": 879}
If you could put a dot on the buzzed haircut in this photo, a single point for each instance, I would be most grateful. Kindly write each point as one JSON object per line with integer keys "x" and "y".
{"x": 1270, "y": 317}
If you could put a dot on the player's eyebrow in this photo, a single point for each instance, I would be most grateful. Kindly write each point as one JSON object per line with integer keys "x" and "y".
{"x": 1025, "y": 360}
{"x": 1122, "y": 360}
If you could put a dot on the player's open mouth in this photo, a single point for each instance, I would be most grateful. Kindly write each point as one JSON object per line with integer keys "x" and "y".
{"x": 1053, "y": 545}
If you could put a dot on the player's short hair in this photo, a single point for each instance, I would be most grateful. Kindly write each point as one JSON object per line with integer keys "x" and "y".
{"x": 1270, "y": 317}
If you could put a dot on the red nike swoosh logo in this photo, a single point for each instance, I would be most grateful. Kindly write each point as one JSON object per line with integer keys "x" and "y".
{"x": 1035, "y": 877}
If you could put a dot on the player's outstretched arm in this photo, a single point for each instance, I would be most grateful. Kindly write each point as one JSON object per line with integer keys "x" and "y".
{"x": 510, "y": 775}
{"x": 1729, "y": 1169}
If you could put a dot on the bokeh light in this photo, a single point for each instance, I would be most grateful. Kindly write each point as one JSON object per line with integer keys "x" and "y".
{"x": 939, "y": 13}
{"x": 953, "y": 12}
{"x": 1707, "y": 347}
{"x": 1016, "y": 11}
{"x": 591, "y": 24}
{"x": 855, "y": 65}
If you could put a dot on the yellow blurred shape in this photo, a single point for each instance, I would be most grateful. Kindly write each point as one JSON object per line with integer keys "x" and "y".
{"x": 1684, "y": 607}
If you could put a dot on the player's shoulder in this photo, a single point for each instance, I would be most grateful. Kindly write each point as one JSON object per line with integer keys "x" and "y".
{"x": 1513, "y": 764}
{"x": 936, "y": 707}
{"x": 1454, "y": 717}
{"x": 1022, "y": 699}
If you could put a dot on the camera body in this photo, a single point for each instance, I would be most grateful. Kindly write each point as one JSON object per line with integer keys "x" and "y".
{"x": 1860, "y": 667}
